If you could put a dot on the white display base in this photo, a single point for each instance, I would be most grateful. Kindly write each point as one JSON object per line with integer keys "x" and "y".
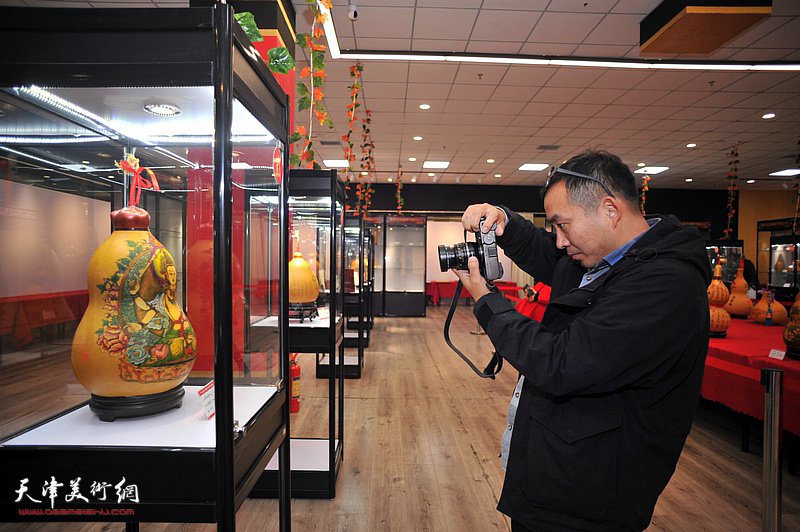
{"x": 349, "y": 360}
{"x": 186, "y": 426}
{"x": 306, "y": 455}
{"x": 320, "y": 322}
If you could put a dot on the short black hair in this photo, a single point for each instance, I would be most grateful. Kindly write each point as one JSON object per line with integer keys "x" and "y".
{"x": 607, "y": 168}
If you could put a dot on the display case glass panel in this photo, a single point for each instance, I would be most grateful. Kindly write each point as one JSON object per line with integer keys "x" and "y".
{"x": 783, "y": 263}
{"x": 405, "y": 254}
{"x": 377, "y": 225}
{"x": 725, "y": 252}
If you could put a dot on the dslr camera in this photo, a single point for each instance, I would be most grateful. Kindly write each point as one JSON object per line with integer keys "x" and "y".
{"x": 484, "y": 247}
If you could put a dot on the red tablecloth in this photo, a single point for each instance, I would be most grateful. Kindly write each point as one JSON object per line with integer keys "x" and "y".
{"x": 733, "y": 371}
{"x": 438, "y": 290}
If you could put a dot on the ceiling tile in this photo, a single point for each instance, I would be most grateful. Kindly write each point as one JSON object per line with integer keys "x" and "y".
{"x": 434, "y": 91}
{"x": 680, "y": 98}
{"x": 493, "y": 47}
{"x": 380, "y": 43}
{"x": 760, "y": 81}
{"x": 723, "y": 99}
{"x": 513, "y": 94}
{"x": 424, "y": 72}
{"x": 709, "y": 81}
{"x": 584, "y": 110}
{"x": 529, "y": 121}
{"x": 438, "y": 23}
{"x": 639, "y": 97}
{"x": 372, "y": 22}
{"x": 574, "y": 77}
{"x": 542, "y": 108}
{"x": 503, "y": 108}
{"x": 464, "y": 106}
{"x": 759, "y": 54}
{"x": 384, "y": 90}
{"x": 619, "y": 111}
{"x": 616, "y": 29}
{"x": 471, "y": 92}
{"x": 760, "y": 33}
{"x": 438, "y": 45}
{"x": 527, "y": 76}
{"x": 639, "y": 7}
{"x": 384, "y": 71}
{"x": 504, "y": 25}
{"x": 564, "y": 27}
{"x": 553, "y": 94}
{"x": 482, "y": 74}
{"x": 602, "y": 50}
{"x": 538, "y": 48}
{"x": 447, "y": 3}
{"x": 616, "y": 78}
{"x": 604, "y": 96}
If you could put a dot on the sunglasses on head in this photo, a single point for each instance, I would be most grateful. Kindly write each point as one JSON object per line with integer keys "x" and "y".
{"x": 555, "y": 170}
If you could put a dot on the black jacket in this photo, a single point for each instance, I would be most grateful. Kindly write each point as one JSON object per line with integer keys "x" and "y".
{"x": 612, "y": 377}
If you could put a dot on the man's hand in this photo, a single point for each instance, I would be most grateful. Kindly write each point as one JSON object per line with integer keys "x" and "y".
{"x": 473, "y": 281}
{"x": 471, "y": 220}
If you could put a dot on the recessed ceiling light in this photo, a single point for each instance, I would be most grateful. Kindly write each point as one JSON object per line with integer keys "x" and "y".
{"x": 412, "y": 159}
{"x": 688, "y": 179}
{"x": 162, "y": 109}
{"x": 86, "y": 162}
{"x": 490, "y": 161}
{"x": 651, "y": 170}
{"x": 767, "y": 116}
{"x": 413, "y": 179}
{"x": 436, "y": 164}
{"x": 111, "y": 177}
{"x": 640, "y": 164}
{"x": 424, "y": 106}
{"x": 789, "y": 172}
{"x": 364, "y": 173}
{"x": 47, "y": 177}
{"x": 335, "y": 163}
{"x": 389, "y": 180}
{"x": 417, "y": 138}
{"x": 498, "y": 175}
{"x": 431, "y": 174}
{"x": 751, "y": 181}
{"x": 691, "y": 145}
{"x": 533, "y": 167}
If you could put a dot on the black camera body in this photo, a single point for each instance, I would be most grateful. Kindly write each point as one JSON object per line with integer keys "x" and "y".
{"x": 484, "y": 248}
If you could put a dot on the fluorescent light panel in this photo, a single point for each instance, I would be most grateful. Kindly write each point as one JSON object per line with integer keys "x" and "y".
{"x": 651, "y": 170}
{"x": 533, "y": 167}
{"x": 436, "y": 164}
{"x": 595, "y": 63}
{"x": 789, "y": 172}
{"x": 330, "y": 33}
{"x": 335, "y": 163}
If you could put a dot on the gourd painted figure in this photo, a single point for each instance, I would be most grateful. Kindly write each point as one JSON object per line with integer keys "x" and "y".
{"x": 134, "y": 345}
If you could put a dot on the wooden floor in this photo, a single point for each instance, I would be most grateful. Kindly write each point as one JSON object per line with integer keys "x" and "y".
{"x": 422, "y": 439}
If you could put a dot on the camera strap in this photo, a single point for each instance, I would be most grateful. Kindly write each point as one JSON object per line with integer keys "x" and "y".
{"x": 496, "y": 363}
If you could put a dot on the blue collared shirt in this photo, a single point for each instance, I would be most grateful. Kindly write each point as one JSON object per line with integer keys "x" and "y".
{"x": 598, "y": 271}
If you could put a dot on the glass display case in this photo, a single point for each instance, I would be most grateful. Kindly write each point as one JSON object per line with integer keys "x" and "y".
{"x": 404, "y": 265}
{"x": 181, "y": 97}
{"x": 316, "y": 275}
{"x": 776, "y": 259}
{"x": 783, "y": 264}
{"x": 375, "y": 224}
{"x": 725, "y": 252}
{"x": 355, "y": 294}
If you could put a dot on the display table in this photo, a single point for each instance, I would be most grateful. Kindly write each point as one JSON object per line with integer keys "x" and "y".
{"x": 733, "y": 371}
{"x": 438, "y": 290}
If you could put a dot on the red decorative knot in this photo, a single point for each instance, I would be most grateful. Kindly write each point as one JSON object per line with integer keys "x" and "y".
{"x": 131, "y": 218}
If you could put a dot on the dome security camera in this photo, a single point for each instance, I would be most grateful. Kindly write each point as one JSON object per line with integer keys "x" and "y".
{"x": 352, "y": 12}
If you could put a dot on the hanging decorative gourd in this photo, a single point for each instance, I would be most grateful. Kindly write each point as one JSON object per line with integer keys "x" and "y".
{"x": 134, "y": 346}
{"x": 717, "y": 297}
{"x": 768, "y": 311}
{"x": 791, "y": 333}
{"x": 739, "y": 304}
{"x": 303, "y": 288}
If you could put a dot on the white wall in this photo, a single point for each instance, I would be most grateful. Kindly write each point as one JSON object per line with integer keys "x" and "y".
{"x": 449, "y": 233}
{"x": 47, "y": 239}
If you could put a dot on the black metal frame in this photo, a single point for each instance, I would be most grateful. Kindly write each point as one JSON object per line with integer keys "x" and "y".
{"x": 190, "y": 47}
{"x": 317, "y": 340}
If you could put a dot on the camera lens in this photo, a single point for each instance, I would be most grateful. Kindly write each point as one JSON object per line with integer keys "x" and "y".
{"x": 456, "y": 256}
{"x": 447, "y": 257}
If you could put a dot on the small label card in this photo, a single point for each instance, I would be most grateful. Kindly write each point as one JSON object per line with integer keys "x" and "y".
{"x": 776, "y": 353}
{"x": 207, "y": 398}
